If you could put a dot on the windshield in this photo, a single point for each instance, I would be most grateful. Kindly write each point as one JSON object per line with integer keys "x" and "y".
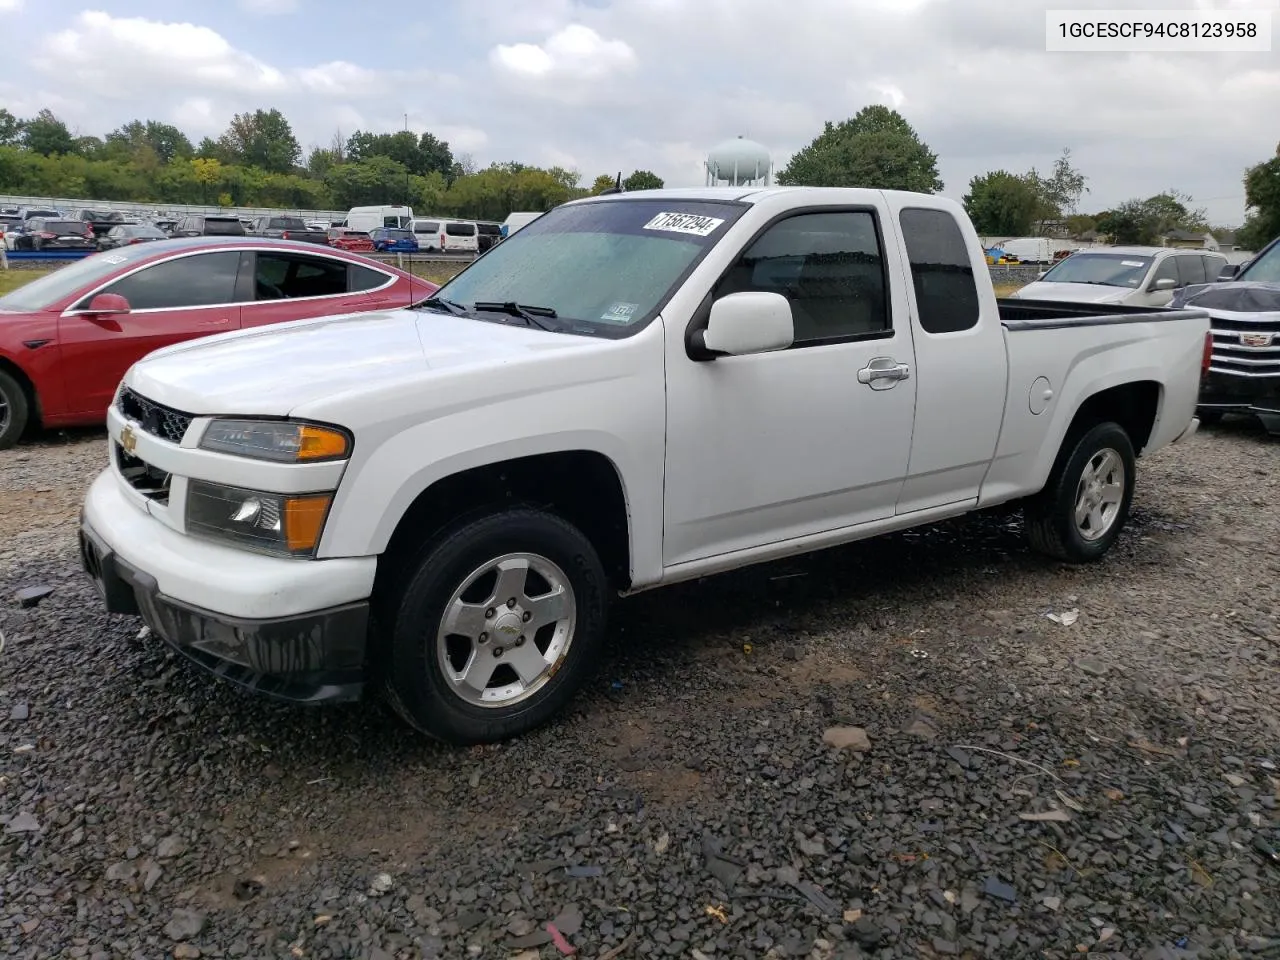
{"x": 603, "y": 267}
{"x": 49, "y": 289}
{"x": 66, "y": 226}
{"x": 1264, "y": 269}
{"x": 1108, "y": 269}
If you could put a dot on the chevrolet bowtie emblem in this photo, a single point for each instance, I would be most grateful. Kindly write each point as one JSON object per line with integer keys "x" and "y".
{"x": 128, "y": 439}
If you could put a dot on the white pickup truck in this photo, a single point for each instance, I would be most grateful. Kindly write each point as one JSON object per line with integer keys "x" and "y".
{"x": 438, "y": 503}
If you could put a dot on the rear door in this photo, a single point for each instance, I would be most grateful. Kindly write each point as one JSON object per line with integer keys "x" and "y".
{"x": 961, "y": 368}
{"x": 170, "y": 301}
{"x": 288, "y": 286}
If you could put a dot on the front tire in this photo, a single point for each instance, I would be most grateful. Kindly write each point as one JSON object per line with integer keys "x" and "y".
{"x": 15, "y": 411}
{"x": 1081, "y": 511}
{"x": 497, "y": 628}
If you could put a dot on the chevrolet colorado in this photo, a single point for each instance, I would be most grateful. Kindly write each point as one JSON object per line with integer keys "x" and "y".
{"x": 633, "y": 390}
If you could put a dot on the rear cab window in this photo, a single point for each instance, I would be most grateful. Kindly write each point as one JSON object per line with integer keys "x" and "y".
{"x": 460, "y": 229}
{"x": 223, "y": 227}
{"x": 941, "y": 270}
{"x": 605, "y": 267}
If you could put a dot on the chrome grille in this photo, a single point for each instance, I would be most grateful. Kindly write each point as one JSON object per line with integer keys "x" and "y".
{"x": 1233, "y": 353}
{"x": 150, "y": 481}
{"x": 154, "y": 418}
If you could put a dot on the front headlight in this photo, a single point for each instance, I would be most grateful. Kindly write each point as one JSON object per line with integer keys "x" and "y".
{"x": 284, "y": 441}
{"x": 276, "y": 523}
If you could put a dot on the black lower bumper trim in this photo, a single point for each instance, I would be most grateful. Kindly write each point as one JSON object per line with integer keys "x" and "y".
{"x": 1256, "y": 395}
{"x": 316, "y": 657}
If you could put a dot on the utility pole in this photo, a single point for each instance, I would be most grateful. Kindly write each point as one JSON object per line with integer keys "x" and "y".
{"x": 406, "y": 167}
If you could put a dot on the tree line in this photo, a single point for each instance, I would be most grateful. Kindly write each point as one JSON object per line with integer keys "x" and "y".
{"x": 878, "y": 148}
{"x": 259, "y": 162}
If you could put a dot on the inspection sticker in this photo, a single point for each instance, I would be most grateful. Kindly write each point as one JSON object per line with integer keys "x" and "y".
{"x": 684, "y": 223}
{"x": 620, "y": 312}
{"x": 1131, "y": 263}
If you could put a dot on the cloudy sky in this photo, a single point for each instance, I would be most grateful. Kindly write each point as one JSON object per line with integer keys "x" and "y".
{"x": 602, "y": 85}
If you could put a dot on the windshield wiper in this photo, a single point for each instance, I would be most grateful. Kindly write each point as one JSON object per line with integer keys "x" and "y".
{"x": 448, "y": 305}
{"x": 528, "y": 314}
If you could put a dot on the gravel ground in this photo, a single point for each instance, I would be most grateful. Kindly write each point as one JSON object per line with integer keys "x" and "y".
{"x": 886, "y": 750}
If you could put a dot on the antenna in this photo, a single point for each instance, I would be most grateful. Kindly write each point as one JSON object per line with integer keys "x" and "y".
{"x": 616, "y": 188}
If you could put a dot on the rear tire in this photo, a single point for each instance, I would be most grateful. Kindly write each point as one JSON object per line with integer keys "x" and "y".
{"x": 1082, "y": 509}
{"x": 496, "y": 629}
{"x": 15, "y": 411}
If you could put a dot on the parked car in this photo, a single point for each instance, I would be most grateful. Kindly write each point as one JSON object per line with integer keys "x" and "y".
{"x": 737, "y": 376}
{"x": 487, "y": 234}
{"x": 15, "y": 233}
{"x": 45, "y": 213}
{"x": 357, "y": 241}
{"x": 208, "y": 225}
{"x": 387, "y": 239}
{"x": 42, "y": 234}
{"x": 516, "y": 221}
{"x": 427, "y": 233}
{"x": 383, "y": 215}
{"x": 1141, "y": 276}
{"x": 458, "y": 236}
{"x": 101, "y": 221}
{"x": 67, "y": 338}
{"x": 1244, "y": 308}
{"x": 286, "y": 228}
{"x": 1033, "y": 249}
{"x": 127, "y": 234}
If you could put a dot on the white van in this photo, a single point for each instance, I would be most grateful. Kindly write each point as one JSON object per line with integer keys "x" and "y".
{"x": 427, "y": 233}
{"x": 515, "y": 221}
{"x": 365, "y": 219}
{"x": 442, "y": 235}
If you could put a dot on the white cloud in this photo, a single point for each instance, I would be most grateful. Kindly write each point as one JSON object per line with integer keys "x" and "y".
{"x": 575, "y": 51}
{"x": 10, "y": 6}
{"x": 341, "y": 78}
{"x": 132, "y": 56}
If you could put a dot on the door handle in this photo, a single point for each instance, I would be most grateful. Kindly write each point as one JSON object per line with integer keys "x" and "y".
{"x": 883, "y": 372}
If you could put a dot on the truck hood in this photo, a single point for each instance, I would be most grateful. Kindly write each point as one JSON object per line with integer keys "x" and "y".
{"x": 270, "y": 371}
{"x": 1073, "y": 292}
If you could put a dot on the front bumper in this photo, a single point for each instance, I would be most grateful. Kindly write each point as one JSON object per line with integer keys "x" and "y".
{"x": 290, "y": 653}
{"x": 1235, "y": 394}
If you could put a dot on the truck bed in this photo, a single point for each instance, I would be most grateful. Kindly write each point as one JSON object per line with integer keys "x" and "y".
{"x": 1018, "y": 314}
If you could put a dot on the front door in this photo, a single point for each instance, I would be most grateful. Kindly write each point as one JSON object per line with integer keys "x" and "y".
{"x": 170, "y": 301}
{"x": 766, "y": 448}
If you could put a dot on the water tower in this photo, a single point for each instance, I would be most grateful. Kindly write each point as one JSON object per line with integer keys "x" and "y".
{"x": 739, "y": 162}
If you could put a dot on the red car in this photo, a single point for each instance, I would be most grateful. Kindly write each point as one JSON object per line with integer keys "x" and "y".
{"x": 67, "y": 339}
{"x": 354, "y": 240}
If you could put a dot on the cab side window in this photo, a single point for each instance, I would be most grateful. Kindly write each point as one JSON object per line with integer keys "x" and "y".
{"x": 941, "y": 271}
{"x": 830, "y": 268}
{"x": 1190, "y": 270}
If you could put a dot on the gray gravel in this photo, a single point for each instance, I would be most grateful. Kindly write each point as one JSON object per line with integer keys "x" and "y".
{"x": 1018, "y": 787}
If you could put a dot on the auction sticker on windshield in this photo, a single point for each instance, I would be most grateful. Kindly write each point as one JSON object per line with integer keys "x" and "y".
{"x": 1131, "y": 263}
{"x": 689, "y": 223}
{"x": 620, "y": 312}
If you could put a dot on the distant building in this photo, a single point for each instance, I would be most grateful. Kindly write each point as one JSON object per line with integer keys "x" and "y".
{"x": 739, "y": 162}
{"x": 1186, "y": 239}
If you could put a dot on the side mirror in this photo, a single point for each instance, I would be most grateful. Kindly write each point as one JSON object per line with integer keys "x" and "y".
{"x": 1228, "y": 272}
{"x": 1040, "y": 275}
{"x": 746, "y": 323}
{"x": 107, "y": 305}
{"x": 1165, "y": 283}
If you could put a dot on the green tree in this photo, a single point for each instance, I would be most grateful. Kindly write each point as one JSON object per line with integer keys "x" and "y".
{"x": 420, "y": 155}
{"x": 642, "y": 180}
{"x": 1061, "y": 191}
{"x": 262, "y": 139}
{"x": 602, "y": 183}
{"x": 1262, "y": 201}
{"x": 1146, "y": 222}
{"x": 875, "y": 148}
{"x": 1002, "y": 203}
{"x": 376, "y": 179}
{"x": 10, "y": 129}
{"x": 164, "y": 141}
{"x": 45, "y": 134}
